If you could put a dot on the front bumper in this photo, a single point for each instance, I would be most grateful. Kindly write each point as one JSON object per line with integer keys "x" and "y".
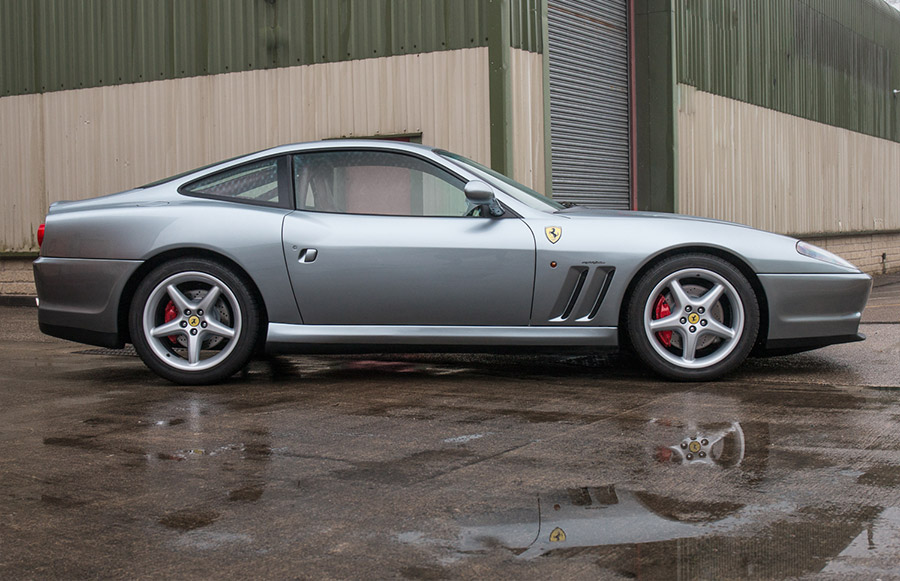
{"x": 78, "y": 299}
{"x": 807, "y": 311}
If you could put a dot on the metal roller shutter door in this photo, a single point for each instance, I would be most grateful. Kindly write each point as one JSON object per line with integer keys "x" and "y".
{"x": 589, "y": 113}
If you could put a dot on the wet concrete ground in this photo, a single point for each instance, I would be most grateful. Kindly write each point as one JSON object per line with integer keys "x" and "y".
{"x": 434, "y": 467}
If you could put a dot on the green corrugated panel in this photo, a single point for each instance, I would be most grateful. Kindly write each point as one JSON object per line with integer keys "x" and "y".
{"x": 525, "y": 21}
{"x": 51, "y": 45}
{"x": 17, "y": 48}
{"x": 832, "y": 61}
{"x": 188, "y": 35}
{"x": 238, "y": 31}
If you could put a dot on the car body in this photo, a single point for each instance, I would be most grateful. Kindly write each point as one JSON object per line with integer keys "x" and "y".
{"x": 364, "y": 245}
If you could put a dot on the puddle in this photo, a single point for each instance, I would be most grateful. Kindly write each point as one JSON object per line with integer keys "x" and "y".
{"x": 706, "y": 497}
{"x": 410, "y": 469}
{"x": 100, "y": 421}
{"x": 175, "y": 422}
{"x": 637, "y": 533}
{"x": 250, "y": 493}
{"x": 81, "y": 442}
{"x": 881, "y": 475}
{"x": 601, "y": 516}
{"x": 189, "y": 519}
{"x": 62, "y": 501}
{"x": 465, "y": 439}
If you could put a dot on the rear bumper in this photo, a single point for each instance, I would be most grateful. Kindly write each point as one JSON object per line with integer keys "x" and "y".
{"x": 789, "y": 346}
{"x": 79, "y": 298}
{"x": 807, "y": 311}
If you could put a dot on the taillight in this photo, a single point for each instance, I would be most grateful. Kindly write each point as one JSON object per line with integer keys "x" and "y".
{"x": 40, "y": 235}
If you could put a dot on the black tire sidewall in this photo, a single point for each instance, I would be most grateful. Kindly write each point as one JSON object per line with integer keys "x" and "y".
{"x": 638, "y": 300}
{"x": 246, "y": 342}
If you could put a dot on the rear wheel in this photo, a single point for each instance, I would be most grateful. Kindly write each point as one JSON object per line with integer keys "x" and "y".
{"x": 693, "y": 317}
{"x": 194, "y": 322}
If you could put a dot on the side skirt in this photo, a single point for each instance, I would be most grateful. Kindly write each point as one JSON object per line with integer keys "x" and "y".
{"x": 284, "y": 338}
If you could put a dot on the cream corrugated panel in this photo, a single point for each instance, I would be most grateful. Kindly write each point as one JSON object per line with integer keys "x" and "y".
{"x": 527, "y": 72}
{"x": 778, "y": 172}
{"x": 438, "y": 87}
{"x": 22, "y": 187}
{"x": 78, "y": 144}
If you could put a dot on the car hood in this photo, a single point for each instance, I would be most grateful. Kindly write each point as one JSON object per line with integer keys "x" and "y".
{"x": 579, "y": 212}
{"x": 652, "y": 234}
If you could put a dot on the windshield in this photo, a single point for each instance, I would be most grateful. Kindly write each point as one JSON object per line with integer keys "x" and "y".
{"x": 522, "y": 193}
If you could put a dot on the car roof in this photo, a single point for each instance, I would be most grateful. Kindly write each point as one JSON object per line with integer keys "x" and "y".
{"x": 324, "y": 145}
{"x": 342, "y": 144}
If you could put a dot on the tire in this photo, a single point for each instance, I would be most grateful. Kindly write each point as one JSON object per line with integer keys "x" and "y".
{"x": 187, "y": 337}
{"x": 693, "y": 317}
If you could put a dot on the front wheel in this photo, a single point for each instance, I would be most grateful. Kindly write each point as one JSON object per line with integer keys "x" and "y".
{"x": 194, "y": 322}
{"x": 693, "y": 317}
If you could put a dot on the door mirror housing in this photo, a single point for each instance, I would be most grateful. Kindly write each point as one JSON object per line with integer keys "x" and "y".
{"x": 480, "y": 194}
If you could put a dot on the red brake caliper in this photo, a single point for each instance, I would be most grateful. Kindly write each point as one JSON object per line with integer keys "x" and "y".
{"x": 171, "y": 313}
{"x": 661, "y": 310}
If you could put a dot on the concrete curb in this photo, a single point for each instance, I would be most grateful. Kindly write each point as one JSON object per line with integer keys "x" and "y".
{"x": 885, "y": 280}
{"x": 17, "y": 301}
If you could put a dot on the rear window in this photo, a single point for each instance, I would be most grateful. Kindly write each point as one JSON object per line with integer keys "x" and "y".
{"x": 257, "y": 182}
{"x": 185, "y": 174}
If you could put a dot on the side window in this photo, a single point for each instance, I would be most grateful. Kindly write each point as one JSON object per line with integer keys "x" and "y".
{"x": 376, "y": 182}
{"x": 255, "y": 182}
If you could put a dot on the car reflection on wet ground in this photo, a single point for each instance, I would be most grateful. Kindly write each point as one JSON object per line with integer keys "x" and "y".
{"x": 440, "y": 466}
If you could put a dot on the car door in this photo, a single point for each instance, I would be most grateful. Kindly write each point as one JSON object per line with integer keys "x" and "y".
{"x": 382, "y": 238}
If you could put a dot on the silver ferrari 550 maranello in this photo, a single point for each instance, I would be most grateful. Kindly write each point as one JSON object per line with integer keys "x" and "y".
{"x": 374, "y": 246}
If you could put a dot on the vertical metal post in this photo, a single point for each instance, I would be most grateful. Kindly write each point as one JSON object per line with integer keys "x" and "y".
{"x": 500, "y": 97}
{"x": 548, "y": 134}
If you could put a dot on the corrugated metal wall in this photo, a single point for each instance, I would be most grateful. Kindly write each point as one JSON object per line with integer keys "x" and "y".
{"x": 780, "y": 172}
{"x": 22, "y": 200}
{"x": 52, "y": 45}
{"x": 527, "y": 80}
{"x": 525, "y": 25}
{"x": 589, "y": 111}
{"x": 85, "y": 143}
{"x": 831, "y": 61}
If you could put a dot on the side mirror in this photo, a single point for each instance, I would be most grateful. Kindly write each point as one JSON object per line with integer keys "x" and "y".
{"x": 481, "y": 194}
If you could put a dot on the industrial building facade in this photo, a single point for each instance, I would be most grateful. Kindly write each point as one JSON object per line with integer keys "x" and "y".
{"x": 780, "y": 114}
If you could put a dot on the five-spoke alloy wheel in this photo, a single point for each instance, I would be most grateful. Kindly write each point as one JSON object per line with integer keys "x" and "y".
{"x": 693, "y": 317}
{"x": 193, "y": 321}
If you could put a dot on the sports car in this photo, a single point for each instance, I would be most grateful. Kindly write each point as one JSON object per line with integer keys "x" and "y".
{"x": 377, "y": 246}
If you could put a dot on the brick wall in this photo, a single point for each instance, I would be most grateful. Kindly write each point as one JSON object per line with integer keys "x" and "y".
{"x": 871, "y": 253}
{"x": 16, "y": 277}
{"x": 865, "y": 251}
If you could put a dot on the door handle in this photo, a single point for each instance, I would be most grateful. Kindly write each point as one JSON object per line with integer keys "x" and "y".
{"x": 308, "y": 255}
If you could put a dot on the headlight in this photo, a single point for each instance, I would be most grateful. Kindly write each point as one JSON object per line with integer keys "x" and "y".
{"x": 813, "y": 251}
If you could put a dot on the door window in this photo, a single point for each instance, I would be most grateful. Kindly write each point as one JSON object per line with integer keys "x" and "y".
{"x": 376, "y": 182}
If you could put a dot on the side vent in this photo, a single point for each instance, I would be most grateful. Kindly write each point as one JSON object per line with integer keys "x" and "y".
{"x": 604, "y": 288}
{"x": 582, "y": 293}
{"x": 576, "y": 292}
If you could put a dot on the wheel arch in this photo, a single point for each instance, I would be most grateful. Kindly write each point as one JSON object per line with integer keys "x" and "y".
{"x": 733, "y": 259}
{"x": 138, "y": 275}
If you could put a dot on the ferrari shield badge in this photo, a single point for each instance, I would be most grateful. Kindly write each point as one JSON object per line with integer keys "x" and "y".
{"x": 554, "y": 233}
